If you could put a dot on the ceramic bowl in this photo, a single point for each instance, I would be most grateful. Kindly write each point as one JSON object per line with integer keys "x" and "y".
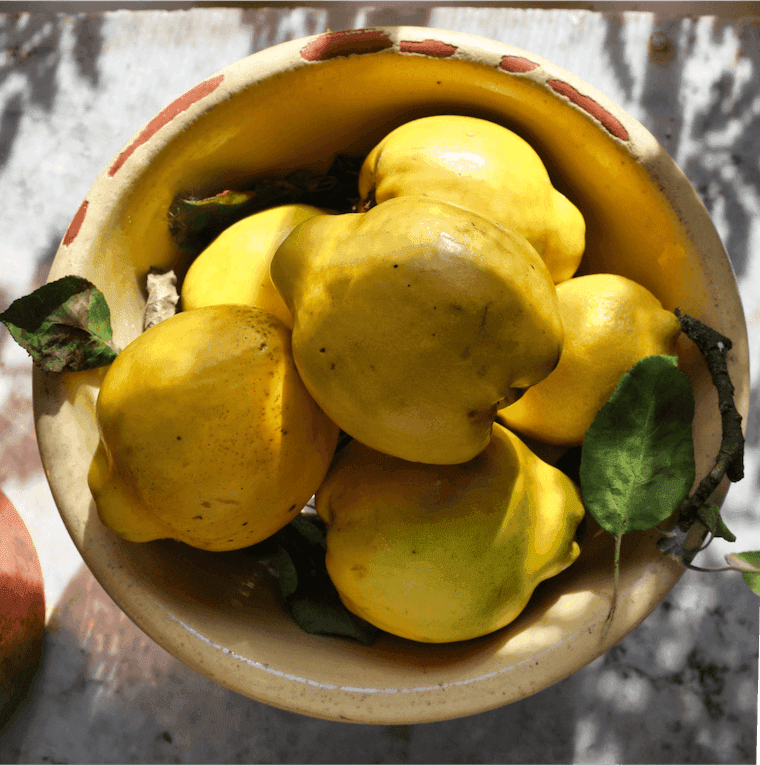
{"x": 297, "y": 105}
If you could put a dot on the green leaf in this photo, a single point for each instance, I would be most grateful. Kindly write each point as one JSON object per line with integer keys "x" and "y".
{"x": 751, "y": 579}
{"x": 64, "y": 326}
{"x": 195, "y": 223}
{"x": 287, "y": 573}
{"x": 312, "y": 531}
{"x": 637, "y": 462}
{"x": 711, "y": 518}
{"x": 330, "y": 617}
{"x": 311, "y": 597}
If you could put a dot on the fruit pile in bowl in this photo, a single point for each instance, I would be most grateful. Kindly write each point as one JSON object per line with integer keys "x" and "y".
{"x": 427, "y": 359}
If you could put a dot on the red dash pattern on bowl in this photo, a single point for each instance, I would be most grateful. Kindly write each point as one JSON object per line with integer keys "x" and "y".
{"x": 75, "y": 225}
{"x": 165, "y": 116}
{"x": 350, "y": 42}
{"x": 517, "y": 64}
{"x": 428, "y": 48}
{"x": 592, "y": 107}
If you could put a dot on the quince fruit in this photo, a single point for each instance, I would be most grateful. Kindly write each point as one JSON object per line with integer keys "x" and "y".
{"x": 414, "y": 321}
{"x": 439, "y": 553}
{"x": 481, "y": 166}
{"x": 610, "y": 322}
{"x": 234, "y": 268}
{"x": 207, "y": 434}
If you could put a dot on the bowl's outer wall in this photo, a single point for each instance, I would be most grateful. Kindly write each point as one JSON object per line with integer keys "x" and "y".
{"x": 289, "y": 107}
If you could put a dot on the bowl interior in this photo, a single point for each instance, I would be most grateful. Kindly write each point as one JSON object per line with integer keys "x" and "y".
{"x": 276, "y": 112}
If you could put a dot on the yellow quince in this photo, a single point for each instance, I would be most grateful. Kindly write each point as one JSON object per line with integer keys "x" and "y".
{"x": 439, "y": 553}
{"x": 207, "y": 434}
{"x": 610, "y": 322}
{"x": 234, "y": 268}
{"x": 414, "y": 321}
{"x": 484, "y": 167}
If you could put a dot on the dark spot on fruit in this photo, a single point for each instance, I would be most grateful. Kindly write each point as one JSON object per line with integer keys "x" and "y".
{"x": 197, "y": 517}
{"x": 179, "y": 438}
{"x": 414, "y": 552}
{"x": 321, "y": 350}
{"x": 245, "y": 524}
{"x": 332, "y": 366}
{"x": 292, "y": 507}
{"x": 455, "y": 307}
{"x": 395, "y": 265}
{"x": 283, "y": 431}
{"x": 206, "y": 504}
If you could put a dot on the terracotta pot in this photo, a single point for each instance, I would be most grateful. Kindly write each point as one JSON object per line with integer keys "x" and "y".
{"x": 297, "y": 105}
{"x": 22, "y": 608}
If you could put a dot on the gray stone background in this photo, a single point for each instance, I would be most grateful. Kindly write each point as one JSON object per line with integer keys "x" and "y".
{"x": 77, "y": 80}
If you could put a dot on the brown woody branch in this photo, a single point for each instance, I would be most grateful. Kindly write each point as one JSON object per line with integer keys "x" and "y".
{"x": 714, "y": 347}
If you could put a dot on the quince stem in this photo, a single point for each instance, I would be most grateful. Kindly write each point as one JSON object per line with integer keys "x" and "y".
{"x": 613, "y": 605}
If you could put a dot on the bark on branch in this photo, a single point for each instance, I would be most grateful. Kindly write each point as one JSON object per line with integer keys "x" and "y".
{"x": 714, "y": 347}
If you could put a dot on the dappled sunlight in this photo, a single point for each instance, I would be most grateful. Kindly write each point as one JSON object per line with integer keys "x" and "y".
{"x": 631, "y": 695}
{"x": 593, "y": 743}
{"x": 556, "y": 624}
{"x": 671, "y": 654}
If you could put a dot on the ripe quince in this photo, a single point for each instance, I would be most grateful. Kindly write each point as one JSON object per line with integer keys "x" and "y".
{"x": 234, "y": 268}
{"x": 481, "y": 166}
{"x": 207, "y": 434}
{"x": 610, "y": 322}
{"x": 439, "y": 553}
{"x": 414, "y": 321}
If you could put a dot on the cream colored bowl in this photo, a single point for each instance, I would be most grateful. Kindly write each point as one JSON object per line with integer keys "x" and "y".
{"x": 297, "y": 105}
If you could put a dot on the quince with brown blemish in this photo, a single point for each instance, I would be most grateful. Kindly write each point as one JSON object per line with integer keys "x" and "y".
{"x": 415, "y": 321}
